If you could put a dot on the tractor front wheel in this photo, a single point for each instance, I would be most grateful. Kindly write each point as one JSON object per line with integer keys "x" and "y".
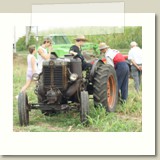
{"x": 23, "y": 109}
{"x": 84, "y": 107}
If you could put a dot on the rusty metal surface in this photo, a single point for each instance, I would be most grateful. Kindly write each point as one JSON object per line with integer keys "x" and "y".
{"x": 55, "y": 75}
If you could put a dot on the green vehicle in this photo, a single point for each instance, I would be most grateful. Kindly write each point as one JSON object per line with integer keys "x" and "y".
{"x": 62, "y": 44}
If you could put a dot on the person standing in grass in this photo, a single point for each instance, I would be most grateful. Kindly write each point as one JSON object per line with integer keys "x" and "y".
{"x": 76, "y": 51}
{"x": 42, "y": 52}
{"x": 135, "y": 56}
{"x": 116, "y": 59}
{"x": 32, "y": 67}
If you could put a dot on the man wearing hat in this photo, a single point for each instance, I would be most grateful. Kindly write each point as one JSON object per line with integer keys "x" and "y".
{"x": 135, "y": 56}
{"x": 116, "y": 59}
{"x": 76, "y": 51}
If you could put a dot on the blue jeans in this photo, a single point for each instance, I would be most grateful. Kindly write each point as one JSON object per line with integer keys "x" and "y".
{"x": 122, "y": 71}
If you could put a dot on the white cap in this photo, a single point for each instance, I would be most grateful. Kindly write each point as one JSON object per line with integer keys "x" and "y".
{"x": 133, "y": 44}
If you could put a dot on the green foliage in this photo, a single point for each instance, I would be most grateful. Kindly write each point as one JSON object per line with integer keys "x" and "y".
{"x": 115, "y": 39}
{"x": 119, "y": 121}
{"x": 118, "y": 40}
{"x": 32, "y": 41}
{"x": 40, "y": 40}
{"x": 21, "y": 44}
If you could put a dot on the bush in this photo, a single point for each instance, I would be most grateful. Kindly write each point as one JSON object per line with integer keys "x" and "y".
{"x": 21, "y": 43}
{"x": 32, "y": 41}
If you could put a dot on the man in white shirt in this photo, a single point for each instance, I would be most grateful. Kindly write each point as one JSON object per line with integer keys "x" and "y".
{"x": 135, "y": 56}
{"x": 42, "y": 52}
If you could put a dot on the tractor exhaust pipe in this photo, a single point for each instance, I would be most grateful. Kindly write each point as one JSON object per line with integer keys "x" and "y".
{"x": 73, "y": 88}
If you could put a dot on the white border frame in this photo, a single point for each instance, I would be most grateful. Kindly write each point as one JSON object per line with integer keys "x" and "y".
{"x": 111, "y": 143}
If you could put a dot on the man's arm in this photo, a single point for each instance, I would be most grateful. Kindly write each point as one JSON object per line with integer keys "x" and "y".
{"x": 135, "y": 64}
{"x": 130, "y": 57}
{"x": 43, "y": 55}
{"x": 73, "y": 53}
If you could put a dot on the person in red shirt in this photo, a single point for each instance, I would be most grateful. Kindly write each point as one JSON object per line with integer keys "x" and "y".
{"x": 117, "y": 60}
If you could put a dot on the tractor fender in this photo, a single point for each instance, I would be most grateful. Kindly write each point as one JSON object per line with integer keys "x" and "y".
{"x": 95, "y": 65}
{"x": 54, "y": 55}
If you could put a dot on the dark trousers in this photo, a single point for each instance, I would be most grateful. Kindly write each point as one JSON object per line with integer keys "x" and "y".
{"x": 122, "y": 71}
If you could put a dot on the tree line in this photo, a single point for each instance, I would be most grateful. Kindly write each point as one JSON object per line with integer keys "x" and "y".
{"x": 114, "y": 40}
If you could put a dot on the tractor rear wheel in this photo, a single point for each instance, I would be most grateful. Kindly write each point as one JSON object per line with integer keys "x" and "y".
{"x": 105, "y": 87}
{"x": 84, "y": 108}
{"x": 23, "y": 109}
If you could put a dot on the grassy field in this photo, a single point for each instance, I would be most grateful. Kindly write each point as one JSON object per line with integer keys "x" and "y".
{"x": 126, "y": 118}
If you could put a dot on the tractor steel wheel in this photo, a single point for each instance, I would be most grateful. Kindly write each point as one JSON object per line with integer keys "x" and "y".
{"x": 84, "y": 108}
{"x": 105, "y": 87}
{"x": 23, "y": 109}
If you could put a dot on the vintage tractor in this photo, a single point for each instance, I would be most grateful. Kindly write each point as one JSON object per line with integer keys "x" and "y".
{"x": 63, "y": 86}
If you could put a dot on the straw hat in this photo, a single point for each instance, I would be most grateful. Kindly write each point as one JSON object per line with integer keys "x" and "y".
{"x": 81, "y": 37}
{"x": 103, "y": 46}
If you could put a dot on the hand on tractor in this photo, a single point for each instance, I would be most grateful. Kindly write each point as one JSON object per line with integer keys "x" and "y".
{"x": 73, "y": 53}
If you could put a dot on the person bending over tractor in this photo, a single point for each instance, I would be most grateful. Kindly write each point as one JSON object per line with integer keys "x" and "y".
{"x": 116, "y": 59}
{"x": 42, "y": 52}
{"x": 76, "y": 50}
{"x": 135, "y": 56}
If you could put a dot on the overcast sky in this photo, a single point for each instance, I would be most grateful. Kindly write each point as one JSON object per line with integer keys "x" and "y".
{"x": 21, "y": 30}
{"x": 67, "y": 20}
